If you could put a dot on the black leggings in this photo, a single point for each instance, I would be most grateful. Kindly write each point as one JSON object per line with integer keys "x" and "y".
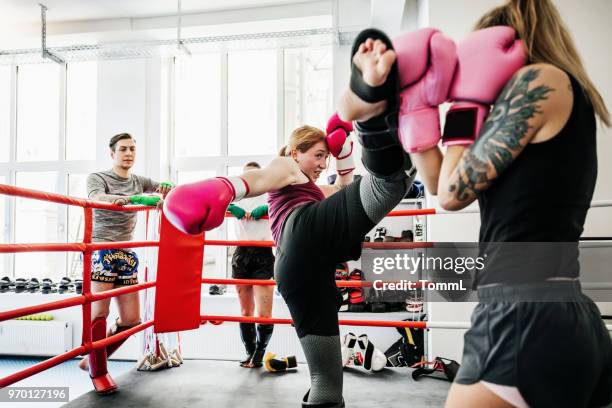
{"x": 317, "y": 236}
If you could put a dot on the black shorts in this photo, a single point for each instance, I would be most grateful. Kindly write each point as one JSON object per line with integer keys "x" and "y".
{"x": 315, "y": 237}
{"x": 253, "y": 263}
{"x": 557, "y": 353}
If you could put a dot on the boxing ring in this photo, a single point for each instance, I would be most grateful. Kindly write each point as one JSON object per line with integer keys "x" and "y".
{"x": 135, "y": 386}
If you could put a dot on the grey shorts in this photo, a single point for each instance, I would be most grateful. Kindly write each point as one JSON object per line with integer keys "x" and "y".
{"x": 554, "y": 348}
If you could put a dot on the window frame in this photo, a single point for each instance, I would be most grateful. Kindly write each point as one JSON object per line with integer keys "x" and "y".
{"x": 220, "y": 163}
{"x": 62, "y": 166}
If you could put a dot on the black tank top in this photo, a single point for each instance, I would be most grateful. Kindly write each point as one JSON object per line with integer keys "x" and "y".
{"x": 541, "y": 199}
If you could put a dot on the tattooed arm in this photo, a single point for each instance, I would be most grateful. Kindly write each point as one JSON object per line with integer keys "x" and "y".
{"x": 533, "y": 107}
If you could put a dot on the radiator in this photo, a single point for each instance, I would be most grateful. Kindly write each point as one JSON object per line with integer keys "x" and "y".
{"x": 35, "y": 338}
{"x": 223, "y": 342}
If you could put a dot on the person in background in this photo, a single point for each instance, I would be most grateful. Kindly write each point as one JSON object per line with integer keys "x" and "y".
{"x": 112, "y": 268}
{"x": 253, "y": 262}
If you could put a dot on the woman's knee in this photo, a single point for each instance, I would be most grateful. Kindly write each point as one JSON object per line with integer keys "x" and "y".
{"x": 264, "y": 298}
{"x": 378, "y": 197}
{"x": 129, "y": 310}
{"x": 246, "y": 300}
{"x": 264, "y": 306}
{"x": 129, "y": 317}
{"x": 264, "y": 313}
{"x": 247, "y": 312}
{"x": 99, "y": 313}
{"x": 100, "y": 309}
{"x": 247, "y": 308}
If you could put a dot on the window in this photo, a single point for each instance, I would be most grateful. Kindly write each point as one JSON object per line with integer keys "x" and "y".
{"x": 81, "y": 88}
{"x": 5, "y": 111}
{"x": 76, "y": 188}
{"x": 4, "y": 259}
{"x": 197, "y": 121}
{"x": 266, "y": 93}
{"x": 192, "y": 176}
{"x": 40, "y": 106}
{"x": 38, "y": 112}
{"x": 235, "y": 170}
{"x": 213, "y": 255}
{"x": 3, "y": 216}
{"x": 308, "y": 87}
{"x": 252, "y": 102}
{"x": 37, "y": 222}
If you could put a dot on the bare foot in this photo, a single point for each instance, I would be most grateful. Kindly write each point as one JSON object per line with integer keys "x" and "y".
{"x": 374, "y": 60}
{"x": 84, "y": 364}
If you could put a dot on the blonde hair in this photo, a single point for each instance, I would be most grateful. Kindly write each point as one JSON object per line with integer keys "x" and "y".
{"x": 302, "y": 139}
{"x": 547, "y": 40}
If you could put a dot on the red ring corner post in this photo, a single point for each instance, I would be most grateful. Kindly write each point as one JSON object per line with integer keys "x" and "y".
{"x": 86, "y": 298}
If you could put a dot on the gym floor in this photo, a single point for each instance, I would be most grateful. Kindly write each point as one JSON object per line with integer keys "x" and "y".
{"x": 211, "y": 383}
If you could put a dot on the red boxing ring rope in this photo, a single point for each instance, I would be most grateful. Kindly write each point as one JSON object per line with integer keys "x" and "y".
{"x": 86, "y": 298}
{"x": 216, "y": 320}
{"x": 86, "y": 247}
{"x": 77, "y": 247}
{"x": 270, "y": 282}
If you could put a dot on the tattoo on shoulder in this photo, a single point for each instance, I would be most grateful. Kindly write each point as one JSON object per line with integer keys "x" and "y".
{"x": 502, "y": 136}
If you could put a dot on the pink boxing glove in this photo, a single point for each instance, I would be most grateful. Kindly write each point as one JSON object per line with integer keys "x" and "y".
{"x": 426, "y": 62}
{"x": 339, "y": 144}
{"x": 200, "y": 206}
{"x": 487, "y": 60}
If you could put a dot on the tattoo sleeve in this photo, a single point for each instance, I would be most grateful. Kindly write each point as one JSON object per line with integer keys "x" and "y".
{"x": 502, "y": 137}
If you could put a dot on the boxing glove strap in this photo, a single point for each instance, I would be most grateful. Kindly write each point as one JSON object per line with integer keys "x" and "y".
{"x": 291, "y": 361}
{"x": 348, "y": 145}
{"x": 345, "y": 165}
{"x": 463, "y": 123}
{"x": 366, "y": 345}
{"x": 350, "y": 340}
{"x": 238, "y": 185}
